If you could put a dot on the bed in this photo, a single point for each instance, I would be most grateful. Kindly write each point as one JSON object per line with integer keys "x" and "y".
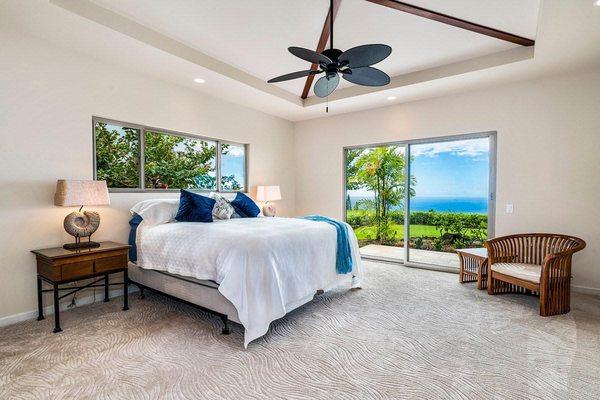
{"x": 248, "y": 270}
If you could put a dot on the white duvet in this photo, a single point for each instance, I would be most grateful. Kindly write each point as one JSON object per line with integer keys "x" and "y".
{"x": 264, "y": 266}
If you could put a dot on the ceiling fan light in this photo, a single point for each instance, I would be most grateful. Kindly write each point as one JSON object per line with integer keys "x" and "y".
{"x": 325, "y": 85}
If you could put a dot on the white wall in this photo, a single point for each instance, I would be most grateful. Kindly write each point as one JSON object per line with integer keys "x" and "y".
{"x": 548, "y": 149}
{"x": 47, "y": 99}
{"x": 548, "y": 154}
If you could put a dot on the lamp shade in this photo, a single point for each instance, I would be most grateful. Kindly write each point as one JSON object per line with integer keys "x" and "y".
{"x": 268, "y": 193}
{"x": 81, "y": 193}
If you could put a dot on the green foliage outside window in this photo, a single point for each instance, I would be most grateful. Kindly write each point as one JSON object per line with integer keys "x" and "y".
{"x": 170, "y": 161}
{"x": 117, "y": 155}
{"x": 381, "y": 218}
{"x": 380, "y": 170}
{"x": 178, "y": 162}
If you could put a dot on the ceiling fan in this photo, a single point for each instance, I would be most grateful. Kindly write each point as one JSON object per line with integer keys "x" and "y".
{"x": 354, "y": 64}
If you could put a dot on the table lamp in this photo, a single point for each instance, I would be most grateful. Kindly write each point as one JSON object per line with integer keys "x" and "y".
{"x": 71, "y": 193}
{"x": 267, "y": 194}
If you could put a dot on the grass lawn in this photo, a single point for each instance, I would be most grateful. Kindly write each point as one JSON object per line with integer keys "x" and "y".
{"x": 368, "y": 232}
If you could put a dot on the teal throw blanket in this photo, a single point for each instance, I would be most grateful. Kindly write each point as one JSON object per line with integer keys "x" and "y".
{"x": 343, "y": 256}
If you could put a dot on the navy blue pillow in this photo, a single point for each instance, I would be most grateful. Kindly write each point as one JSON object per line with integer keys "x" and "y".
{"x": 245, "y": 206}
{"x": 194, "y": 207}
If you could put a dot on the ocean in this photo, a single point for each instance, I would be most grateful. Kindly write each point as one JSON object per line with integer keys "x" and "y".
{"x": 453, "y": 204}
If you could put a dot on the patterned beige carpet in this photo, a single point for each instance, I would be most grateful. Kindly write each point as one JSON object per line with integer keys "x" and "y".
{"x": 408, "y": 334}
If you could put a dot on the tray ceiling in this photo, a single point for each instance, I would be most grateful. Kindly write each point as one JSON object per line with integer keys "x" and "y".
{"x": 237, "y": 45}
{"x": 253, "y": 35}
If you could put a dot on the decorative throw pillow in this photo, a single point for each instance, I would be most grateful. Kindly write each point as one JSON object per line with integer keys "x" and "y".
{"x": 222, "y": 208}
{"x": 194, "y": 207}
{"x": 245, "y": 206}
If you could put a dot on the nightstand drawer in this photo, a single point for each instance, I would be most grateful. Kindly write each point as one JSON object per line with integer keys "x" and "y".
{"x": 110, "y": 263}
{"x": 77, "y": 269}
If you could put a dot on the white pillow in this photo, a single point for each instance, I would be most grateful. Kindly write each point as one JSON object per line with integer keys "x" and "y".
{"x": 157, "y": 211}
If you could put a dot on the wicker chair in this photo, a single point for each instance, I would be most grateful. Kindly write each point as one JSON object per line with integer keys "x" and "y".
{"x": 534, "y": 263}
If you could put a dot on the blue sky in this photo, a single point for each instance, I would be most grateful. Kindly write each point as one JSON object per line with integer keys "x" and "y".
{"x": 232, "y": 163}
{"x": 450, "y": 169}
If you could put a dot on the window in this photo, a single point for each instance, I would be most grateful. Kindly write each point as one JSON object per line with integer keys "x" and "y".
{"x": 117, "y": 155}
{"x": 172, "y": 161}
{"x": 132, "y": 157}
{"x": 233, "y": 161}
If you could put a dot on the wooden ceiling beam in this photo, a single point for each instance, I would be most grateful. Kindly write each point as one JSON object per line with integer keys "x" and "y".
{"x": 321, "y": 45}
{"x": 457, "y": 22}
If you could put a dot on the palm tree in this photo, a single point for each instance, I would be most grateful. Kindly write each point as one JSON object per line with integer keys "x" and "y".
{"x": 381, "y": 170}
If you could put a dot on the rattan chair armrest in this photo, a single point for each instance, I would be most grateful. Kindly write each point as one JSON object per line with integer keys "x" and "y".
{"x": 559, "y": 254}
{"x": 494, "y": 253}
{"x": 556, "y": 261}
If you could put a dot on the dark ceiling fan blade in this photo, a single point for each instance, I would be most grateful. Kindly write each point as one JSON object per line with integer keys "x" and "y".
{"x": 325, "y": 85}
{"x": 309, "y": 55}
{"x": 294, "y": 75}
{"x": 365, "y": 55}
{"x": 367, "y": 76}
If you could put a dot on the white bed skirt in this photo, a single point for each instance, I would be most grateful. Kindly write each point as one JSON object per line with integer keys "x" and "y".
{"x": 199, "y": 292}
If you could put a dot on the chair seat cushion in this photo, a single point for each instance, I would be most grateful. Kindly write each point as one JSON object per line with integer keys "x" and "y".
{"x": 527, "y": 272}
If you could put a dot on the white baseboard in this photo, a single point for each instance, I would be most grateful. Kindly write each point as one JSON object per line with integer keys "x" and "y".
{"x": 574, "y": 288}
{"x": 586, "y": 290}
{"x": 49, "y": 310}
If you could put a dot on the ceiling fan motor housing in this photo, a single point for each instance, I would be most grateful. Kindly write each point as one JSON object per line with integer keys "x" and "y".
{"x": 332, "y": 54}
{"x": 334, "y": 67}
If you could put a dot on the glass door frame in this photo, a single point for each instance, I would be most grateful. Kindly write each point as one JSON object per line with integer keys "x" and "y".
{"x": 406, "y": 144}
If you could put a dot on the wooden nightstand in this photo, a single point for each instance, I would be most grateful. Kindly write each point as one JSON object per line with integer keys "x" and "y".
{"x": 58, "y": 266}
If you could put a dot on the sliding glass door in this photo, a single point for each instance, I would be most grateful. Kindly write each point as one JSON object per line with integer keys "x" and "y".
{"x": 418, "y": 201}
{"x": 375, "y": 187}
{"x": 449, "y": 202}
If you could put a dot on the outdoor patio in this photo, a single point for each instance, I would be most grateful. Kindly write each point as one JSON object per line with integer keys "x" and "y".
{"x": 419, "y": 256}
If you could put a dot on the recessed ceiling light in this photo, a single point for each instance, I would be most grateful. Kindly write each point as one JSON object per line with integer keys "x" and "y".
{"x": 199, "y": 80}
{"x": 597, "y": 3}
{"x": 391, "y": 98}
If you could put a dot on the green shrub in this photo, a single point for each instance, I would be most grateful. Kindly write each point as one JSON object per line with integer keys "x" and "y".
{"x": 419, "y": 243}
{"x": 356, "y": 218}
{"x": 444, "y": 230}
{"x": 459, "y": 243}
{"x": 473, "y": 225}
